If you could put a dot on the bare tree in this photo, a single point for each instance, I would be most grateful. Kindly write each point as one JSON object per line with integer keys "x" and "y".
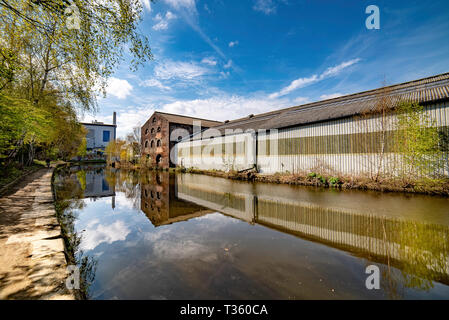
{"x": 376, "y": 125}
{"x": 133, "y": 139}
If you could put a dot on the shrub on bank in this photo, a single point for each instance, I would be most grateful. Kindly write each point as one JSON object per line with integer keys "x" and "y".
{"x": 426, "y": 186}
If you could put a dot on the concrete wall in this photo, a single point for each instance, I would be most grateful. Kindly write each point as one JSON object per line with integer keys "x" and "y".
{"x": 95, "y": 135}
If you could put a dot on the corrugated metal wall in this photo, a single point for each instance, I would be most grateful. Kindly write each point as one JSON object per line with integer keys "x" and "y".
{"x": 358, "y": 145}
{"x": 233, "y": 152}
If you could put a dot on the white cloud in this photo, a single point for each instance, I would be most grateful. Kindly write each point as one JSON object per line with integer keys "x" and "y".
{"x": 127, "y": 118}
{"x": 169, "y": 15}
{"x": 170, "y": 70}
{"x": 132, "y": 117}
{"x": 233, "y": 43}
{"x": 225, "y": 75}
{"x": 228, "y": 65}
{"x": 301, "y": 100}
{"x": 209, "y": 60}
{"x": 119, "y": 88}
{"x": 97, "y": 233}
{"x": 225, "y": 107}
{"x": 146, "y": 4}
{"x": 154, "y": 83}
{"x": 122, "y": 202}
{"x": 156, "y": 234}
{"x": 163, "y": 21}
{"x": 179, "y": 249}
{"x": 179, "y": 4}
{"x": 331, "y": 96}
{"x": 161, "y": 25}
{"x": 334, "y": 70}
{"x": 295, "y": 84}
{"x": 302, "y": 82}
{"x": 265, "y": 6}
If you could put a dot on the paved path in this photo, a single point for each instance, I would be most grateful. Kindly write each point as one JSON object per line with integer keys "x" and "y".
{"x": 32, "y": 260}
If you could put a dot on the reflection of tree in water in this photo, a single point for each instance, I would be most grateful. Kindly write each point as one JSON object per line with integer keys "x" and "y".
{"x": 420, "y": 257}
{"x": 69, "y": 197}
{"x": 127, "y": 182}
{"x": 411, "y": 254}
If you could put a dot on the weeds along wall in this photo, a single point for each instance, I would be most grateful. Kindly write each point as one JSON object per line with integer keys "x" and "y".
{"x": 350, "y": 146}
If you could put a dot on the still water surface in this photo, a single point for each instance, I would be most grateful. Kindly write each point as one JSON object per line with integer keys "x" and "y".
{"x": 184, "y": 236}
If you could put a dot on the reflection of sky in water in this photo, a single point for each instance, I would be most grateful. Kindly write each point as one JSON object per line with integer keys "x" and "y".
{"x": 160, "y": 237}
{"x": 215, "y": 256}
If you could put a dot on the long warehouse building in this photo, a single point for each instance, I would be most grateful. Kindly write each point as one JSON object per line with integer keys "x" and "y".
{"x": 349, "y": 135}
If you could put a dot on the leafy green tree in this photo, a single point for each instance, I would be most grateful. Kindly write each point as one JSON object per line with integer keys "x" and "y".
{"x": 82, "y": 150}
{"x": 8, "y": 66}
{"x": 77, "y": 62}
{"x": 49, "y": 69}
{"x": 22, "y": 123}
{"x": 418, "y": 142}
{"x": 114, "y": 149}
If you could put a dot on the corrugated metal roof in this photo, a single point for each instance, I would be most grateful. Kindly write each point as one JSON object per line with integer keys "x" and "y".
{"x": 421, "y": 91}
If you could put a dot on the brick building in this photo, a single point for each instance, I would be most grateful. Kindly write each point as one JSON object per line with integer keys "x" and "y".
{"x": 156, "y": 132}
{"x": 160, "y": 203}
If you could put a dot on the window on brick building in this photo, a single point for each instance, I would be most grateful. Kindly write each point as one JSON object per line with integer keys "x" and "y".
{"x": 159, "y": 143}
{"x": 158, "y": 129}
{"x": 152, "y": 143}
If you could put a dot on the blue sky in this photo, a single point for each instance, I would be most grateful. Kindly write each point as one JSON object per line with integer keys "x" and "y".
{"x": 224, "y": 59}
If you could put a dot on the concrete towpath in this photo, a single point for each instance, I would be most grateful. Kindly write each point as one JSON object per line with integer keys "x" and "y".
{"x": 32, "y": 260}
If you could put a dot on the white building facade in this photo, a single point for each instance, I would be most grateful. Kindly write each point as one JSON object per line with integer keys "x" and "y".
{"x": 100, "y": 134}
{"x": 341, "y": 136}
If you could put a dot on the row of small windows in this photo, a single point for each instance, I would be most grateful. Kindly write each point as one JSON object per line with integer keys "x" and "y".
{"x": 158, "y": 143}
{"x": 152, "y": 130}
{"x": 158, "y": 195}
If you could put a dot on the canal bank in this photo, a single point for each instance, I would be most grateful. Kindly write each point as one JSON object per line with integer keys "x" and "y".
{"x": 32, "y": 259}
{"x": 425, "y": 186}
{"x": 162, "y": 235}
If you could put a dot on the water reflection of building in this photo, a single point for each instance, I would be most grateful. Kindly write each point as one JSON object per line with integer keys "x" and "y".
{"x": 419, "y": 248}
{"x": 97, "y": 186}
{"x": 93, "y": 182}
{"x": 159, "y": 201}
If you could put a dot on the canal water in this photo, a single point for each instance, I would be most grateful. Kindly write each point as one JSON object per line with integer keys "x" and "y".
{"x": 182, "y": 236}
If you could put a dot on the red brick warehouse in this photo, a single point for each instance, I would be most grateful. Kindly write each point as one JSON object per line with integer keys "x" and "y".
{"x": 156, "y": 133}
